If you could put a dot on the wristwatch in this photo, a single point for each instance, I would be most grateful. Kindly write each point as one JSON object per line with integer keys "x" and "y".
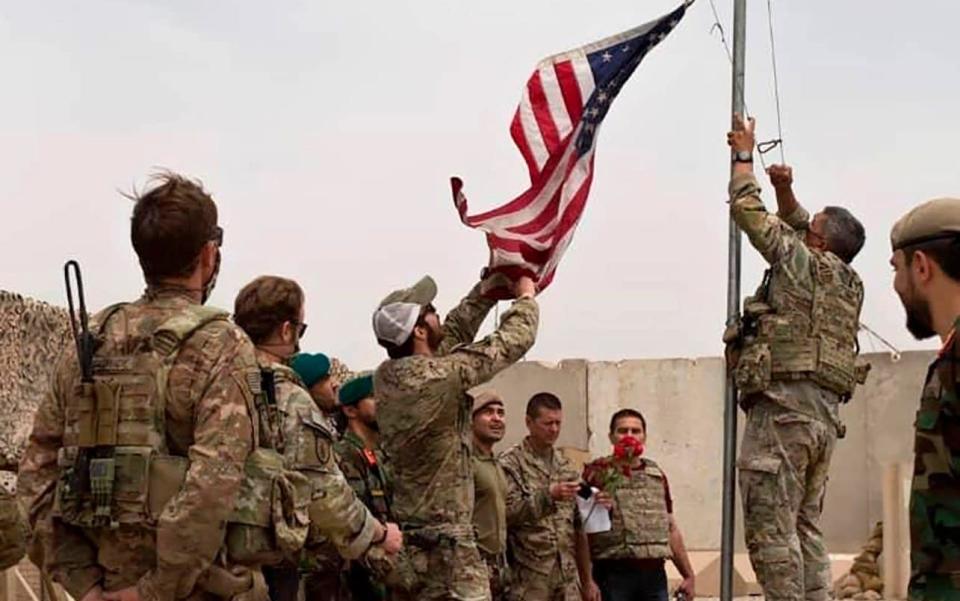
{"x": 743, "y": 156}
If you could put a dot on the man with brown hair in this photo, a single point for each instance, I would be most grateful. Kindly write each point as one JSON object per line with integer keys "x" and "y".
{"x": 172, "y": 392}
{"x": 271, "y": 310}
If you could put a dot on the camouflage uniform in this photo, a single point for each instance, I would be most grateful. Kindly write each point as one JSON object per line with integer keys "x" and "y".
{"x": 543, "y": 552}
{"x": 424, "y": 415}
{"x": 792, "y": 405}
{"x": 368, "y": 473}
{"x": 491, "y": 518}
{"x": 340, "y": 525}
{"x": 209, "y": 418}
{"x": 935, "y": 492}
{"x": 13, "y": 531}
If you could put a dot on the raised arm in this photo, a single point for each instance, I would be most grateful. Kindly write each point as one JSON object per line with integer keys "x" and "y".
{"x": 463, "y": 321}
{"x": 773, "y": 237}
{"x": 481, "y": 360}
{"x": 788, "y": 207}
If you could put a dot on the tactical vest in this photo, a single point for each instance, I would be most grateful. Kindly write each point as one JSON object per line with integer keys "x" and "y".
{"x": 115, "y": 467}
{"x": 791, "y": 332}
{"x": 640, "y": 523}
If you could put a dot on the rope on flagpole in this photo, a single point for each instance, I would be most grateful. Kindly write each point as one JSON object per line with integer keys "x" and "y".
{"x": 762, "y": 147}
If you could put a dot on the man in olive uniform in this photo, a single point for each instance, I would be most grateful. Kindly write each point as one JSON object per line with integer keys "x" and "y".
{"x": 270, "y": 310}
{"x": 926, "y": 262}
{"x": 424, "y": 416}
{"x": 551, "y": 557}
{"x": 173, "y": 381}
{"x": 628, "y": 559}
{"x": 365, "y": 466}
{"x": 490, "y": 516}
{"x": 796, "y": 365}
{"x": 13, "y": 531}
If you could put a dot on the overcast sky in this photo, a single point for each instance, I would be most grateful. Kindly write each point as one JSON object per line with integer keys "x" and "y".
{"x": 327, "y": 131}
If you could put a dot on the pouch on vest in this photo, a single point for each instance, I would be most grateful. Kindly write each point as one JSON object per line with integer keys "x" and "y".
{"x": 114, "y": 430}
{"x": 753, "y": 371}
{"x": 270, "y": 520}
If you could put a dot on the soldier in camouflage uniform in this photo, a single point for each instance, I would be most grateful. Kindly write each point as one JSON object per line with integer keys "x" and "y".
{"x": 628, "y": 559}
{"x": 13, "y": 531}
{"x": 550, "y": 557}
{"x": 325, "y": 568}
{"x": 424, "y": 417}
{"x": 174, "y": 383}
{"x": 926, "y": 262}
{"x": 270, "y": 310}
{"x": 366, "y": 468}
{"x": 490, "y": 516}
{"x": 794, "y": 358}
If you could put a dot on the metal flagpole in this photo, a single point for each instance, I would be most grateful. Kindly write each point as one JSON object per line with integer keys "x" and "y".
{"x": 733, "y": 314}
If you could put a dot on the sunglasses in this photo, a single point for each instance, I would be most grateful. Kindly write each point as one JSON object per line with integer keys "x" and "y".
{"x": 301, "y": 328}
{"x": 217, "y": 235}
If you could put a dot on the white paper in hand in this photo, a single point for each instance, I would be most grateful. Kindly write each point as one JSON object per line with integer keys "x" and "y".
{"x": 596, "y": 518}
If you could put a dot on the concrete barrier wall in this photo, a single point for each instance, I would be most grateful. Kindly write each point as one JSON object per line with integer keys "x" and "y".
{"x": 682, "y": 400}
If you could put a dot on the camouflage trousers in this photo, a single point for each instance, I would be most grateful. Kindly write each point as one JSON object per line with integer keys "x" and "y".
{"x": 450, "y": 571}
{"x": 783, "y": 464}
{"x": 530, "y": 585}
{"x": 499, "y": 573}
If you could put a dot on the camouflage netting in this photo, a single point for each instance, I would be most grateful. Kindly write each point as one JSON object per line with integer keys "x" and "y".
{"x": 32, "y": 334}
{"x": 864, "y": 581}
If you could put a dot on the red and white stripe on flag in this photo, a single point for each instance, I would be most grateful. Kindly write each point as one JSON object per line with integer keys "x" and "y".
{"x": 554, "y": 128}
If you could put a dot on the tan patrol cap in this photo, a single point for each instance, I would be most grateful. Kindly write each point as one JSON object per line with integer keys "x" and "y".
{"x": 484, "y": 397}
{"x": 933, "y": 220}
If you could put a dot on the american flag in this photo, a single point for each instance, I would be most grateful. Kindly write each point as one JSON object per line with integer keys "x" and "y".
{"x": 555, "y": 128}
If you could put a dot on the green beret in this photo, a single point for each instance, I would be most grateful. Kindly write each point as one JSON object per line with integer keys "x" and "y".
{"x": 356, "y": 390}
{"x": 933, "y": 220}
{"x": 311, "y": 367}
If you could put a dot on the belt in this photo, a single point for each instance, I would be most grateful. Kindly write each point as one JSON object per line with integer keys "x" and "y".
{"x": 427, "y": 537}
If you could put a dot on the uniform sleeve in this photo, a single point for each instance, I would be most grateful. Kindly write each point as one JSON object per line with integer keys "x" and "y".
{"x": 191, "y": 529}
{"x": 66, "y": 553}
{"x": 464, "y": 320}
{"x": 948, "y": 368}
{"x": 773, "y": 237}
{"x": 524, "y": 506}
{"x": 336, "y": 514}
{"x": 478, "y": 362}
{"x": 529, "y": 508}
{"x": 348, "y": 460}
{"x": 798, "y": 220}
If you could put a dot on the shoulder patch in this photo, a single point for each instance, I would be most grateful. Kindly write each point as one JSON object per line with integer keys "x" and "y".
{"x": 316, "y": 421}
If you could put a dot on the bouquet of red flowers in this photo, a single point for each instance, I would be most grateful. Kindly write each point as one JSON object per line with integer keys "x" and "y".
{"x": 607, "y": 474}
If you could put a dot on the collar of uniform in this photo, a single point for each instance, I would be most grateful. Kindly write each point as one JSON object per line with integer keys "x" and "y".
{"x": 547, "y": 464}
{"x": 480, "y": 454}
{"x": 351, "y": 437}
{"x": 163, "y": 292}
{"x": 948, "y": 343}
